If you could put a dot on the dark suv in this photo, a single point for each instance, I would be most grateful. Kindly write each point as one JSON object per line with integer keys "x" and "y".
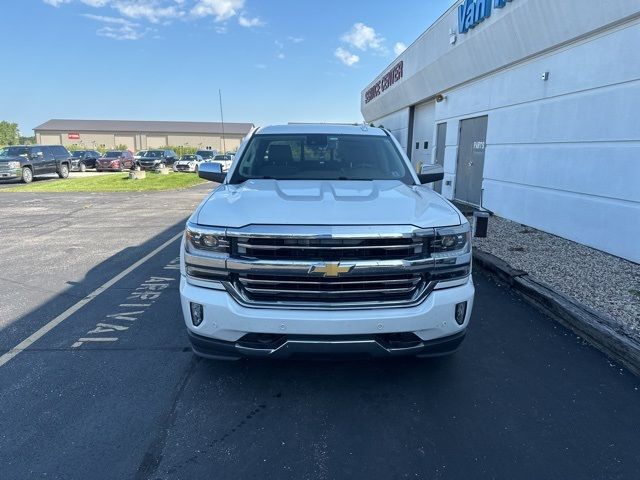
{"x": 155, "y": 159}
{"x": 83, "y": 159}
{"x": 23, "y": 162}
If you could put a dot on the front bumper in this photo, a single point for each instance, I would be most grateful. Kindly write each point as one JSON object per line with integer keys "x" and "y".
{"x": 226, "y": 324}
{"x": 10, "y": 173}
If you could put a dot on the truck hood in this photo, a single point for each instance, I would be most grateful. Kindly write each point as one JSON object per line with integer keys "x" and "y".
{"x": 325, "y": 202}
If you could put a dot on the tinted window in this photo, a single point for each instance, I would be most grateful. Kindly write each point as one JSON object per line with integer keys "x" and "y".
{"x": 322, "y": 157}
{"x": 78, "y": 154}
{"x": 59, "y": 150}
{"x": 13, "y": 151}
{"x": 112, "y": 154}
{"x": 154, "y": 154}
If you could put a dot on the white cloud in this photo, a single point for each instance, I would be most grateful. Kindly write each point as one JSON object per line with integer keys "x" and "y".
{"x": 95, "y": 3}
{"x": 102, "y": 18}
{"x": 346, "y": 56}
{"x": 261, "y": 66}
{"x": 149, "y": 10}
{"x": 220, "y": 9}
{"x": 280, "y": 56}
{"x": 56, "y": 3}
{"x": 250, "y": 22}
{"x": 118, "y": 28}
{"x": 295, "y": 39}
{"x": 399, "y": 47}
{"x": 363, "y": 37}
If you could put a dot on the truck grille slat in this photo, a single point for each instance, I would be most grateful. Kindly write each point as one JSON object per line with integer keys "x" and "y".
{"x": 365, "y": 281}
{"x": 329, "y": 249}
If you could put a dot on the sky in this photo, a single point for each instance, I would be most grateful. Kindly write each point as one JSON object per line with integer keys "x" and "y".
{"x": 275, "y": 61}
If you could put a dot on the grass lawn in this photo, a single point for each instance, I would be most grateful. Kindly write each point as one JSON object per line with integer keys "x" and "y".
{"x": 112, "y": 183}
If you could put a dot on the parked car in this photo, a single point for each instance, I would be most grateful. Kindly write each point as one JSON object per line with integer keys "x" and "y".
{"x": 23, "y": 162}
{"x": 139, "y": 154}
{"x": 207, "y": 155}
{"x": 188, "y": 163}
{"x": 224, "y": 161}
{"x": 83, "y": 159}
{"x": 117, "y": 160}
{"x": 323, "y": 240}
{"x": 156, "y": 159}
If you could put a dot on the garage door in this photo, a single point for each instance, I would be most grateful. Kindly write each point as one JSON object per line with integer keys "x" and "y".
{"x": 156, "y": 142}
{"x": 423, "y": 123}
{"x": 50, "y": 139}
{"x": 128, "y": 140}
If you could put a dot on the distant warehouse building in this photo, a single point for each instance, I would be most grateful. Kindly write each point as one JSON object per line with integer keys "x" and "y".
{"x": 141, "y": 135}
{"x": 532, "y": 108}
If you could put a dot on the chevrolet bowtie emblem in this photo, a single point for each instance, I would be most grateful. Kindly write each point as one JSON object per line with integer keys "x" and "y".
{"x": 331, "y": 269}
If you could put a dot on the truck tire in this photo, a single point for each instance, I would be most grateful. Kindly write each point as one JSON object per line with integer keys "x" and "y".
{"x": 82, "y": 167}
{"x": 63, "y": 171}
{"x": 27, "y": 175}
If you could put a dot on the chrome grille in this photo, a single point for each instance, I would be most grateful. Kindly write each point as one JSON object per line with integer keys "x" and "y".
{"x": 329, "y": 249}
{"x": 349, "y": 289}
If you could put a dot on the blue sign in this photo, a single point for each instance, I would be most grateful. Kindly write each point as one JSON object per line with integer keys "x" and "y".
{"x": 472, "y": 12}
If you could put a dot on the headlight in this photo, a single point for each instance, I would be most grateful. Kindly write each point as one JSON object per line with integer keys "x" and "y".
{"x": 452, "y": 241}
{"x": 13, "y": 164}
{"x": 209, "y": 239}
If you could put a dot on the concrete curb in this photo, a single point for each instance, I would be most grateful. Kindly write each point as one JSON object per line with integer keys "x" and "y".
{"x": 598, "y": 329}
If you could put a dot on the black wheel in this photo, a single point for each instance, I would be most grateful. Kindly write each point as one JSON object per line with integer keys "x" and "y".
{"x": 27, "y": 175}
{"x": 98, "y": 170}
{"x": 82, "y": 167}
{"x": 64, "y": 171}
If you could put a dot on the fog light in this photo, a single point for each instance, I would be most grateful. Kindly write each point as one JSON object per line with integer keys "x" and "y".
{"x": 197, "y": 314}
{"x": 461, "y": 312}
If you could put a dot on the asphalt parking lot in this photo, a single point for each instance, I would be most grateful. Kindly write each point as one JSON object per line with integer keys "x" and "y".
{"x": 113, "y": 391}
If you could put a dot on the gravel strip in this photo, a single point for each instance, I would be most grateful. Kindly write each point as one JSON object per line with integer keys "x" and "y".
{"x": 601, "y": 281}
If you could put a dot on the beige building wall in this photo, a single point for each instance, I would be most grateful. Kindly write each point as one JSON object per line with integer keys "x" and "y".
{"x": 140, "y": 141}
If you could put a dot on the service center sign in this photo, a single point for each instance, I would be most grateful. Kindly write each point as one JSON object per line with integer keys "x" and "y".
{"x": 73, "y": 136}
{"x": 392, "y": 76}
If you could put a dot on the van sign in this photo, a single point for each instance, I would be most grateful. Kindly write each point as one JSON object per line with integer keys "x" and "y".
{"x": 472, "y": 12}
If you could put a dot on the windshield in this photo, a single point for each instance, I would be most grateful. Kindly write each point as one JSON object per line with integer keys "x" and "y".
{"x": 321, "y": 157}
{"x": 112, "y": 154}
{"x": 189, "y": 158}
{"x": 77, "y": 153}
{"x": 205, "y": 153}
{"x": 140, "y": 153}
{"x": 13, "y": 151}
{"x": 222, "y": 157}
{"x": 153, "y": 154}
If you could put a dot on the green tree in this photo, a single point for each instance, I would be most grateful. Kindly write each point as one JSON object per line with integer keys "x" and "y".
{"x": 8, "y": 133}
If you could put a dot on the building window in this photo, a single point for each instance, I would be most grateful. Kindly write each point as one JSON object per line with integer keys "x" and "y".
{"x": 426, "y": 145}
{"x": 417, "y": 145}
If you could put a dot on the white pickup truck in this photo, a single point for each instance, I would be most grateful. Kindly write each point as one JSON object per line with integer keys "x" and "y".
{"x": 322, "y": 240}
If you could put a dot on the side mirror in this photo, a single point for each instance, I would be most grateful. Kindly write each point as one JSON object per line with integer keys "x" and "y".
{"x": 212, "y": 172}
{"x": 431, "y": 173}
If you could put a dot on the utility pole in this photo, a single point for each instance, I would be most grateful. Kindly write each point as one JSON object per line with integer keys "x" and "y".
{"x": 224, "y": 147}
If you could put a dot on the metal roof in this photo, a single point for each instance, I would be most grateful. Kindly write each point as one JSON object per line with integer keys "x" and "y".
{"x": 135, "y": 126}
{"x": 320, "y": 128}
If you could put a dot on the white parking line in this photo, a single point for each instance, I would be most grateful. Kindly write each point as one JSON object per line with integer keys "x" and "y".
{"x": 38, "y": 334}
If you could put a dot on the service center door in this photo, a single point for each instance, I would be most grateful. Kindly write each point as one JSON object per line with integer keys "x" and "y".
{"x": 470, "y": 165}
